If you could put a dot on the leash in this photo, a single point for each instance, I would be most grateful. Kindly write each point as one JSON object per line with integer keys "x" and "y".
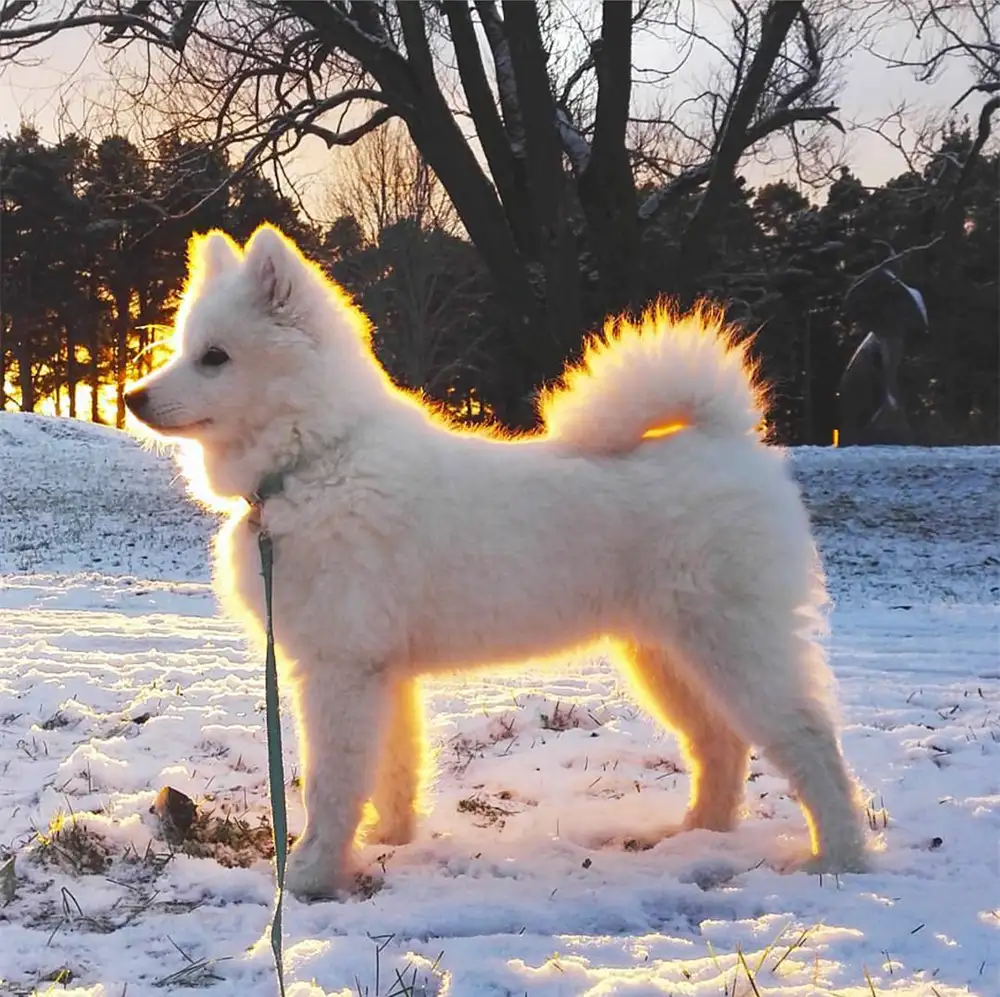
{"x": 275, "y": 765}
{"x": 272, "y": 484}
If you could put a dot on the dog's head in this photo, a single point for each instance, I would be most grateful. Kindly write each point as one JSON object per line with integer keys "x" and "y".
{"x": 261, "y": 344}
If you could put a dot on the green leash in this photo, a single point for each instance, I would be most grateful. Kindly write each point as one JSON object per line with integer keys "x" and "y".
{"x": 275, "y": 765}
{"x": 272, "y": 484}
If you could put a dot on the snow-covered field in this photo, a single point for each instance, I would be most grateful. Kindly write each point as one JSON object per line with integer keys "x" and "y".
{"x": 118, "y": 677}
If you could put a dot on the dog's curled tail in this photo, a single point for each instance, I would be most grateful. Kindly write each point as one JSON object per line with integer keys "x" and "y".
{"x": 649, "y": 378}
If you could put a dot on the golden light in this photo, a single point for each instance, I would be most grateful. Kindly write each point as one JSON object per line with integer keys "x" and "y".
{"x": 661, "y": 431}
{"x": 795, "y": 958}
{"x": 57, "y": 403}
{"x": 191, "y": 458}
{"x": 107, "y": 402}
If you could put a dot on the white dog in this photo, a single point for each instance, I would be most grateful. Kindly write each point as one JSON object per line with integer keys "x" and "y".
{"x": 648, "y": 514}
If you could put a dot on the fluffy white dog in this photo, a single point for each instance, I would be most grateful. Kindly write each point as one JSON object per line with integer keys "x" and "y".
{"x": 648, "y": 513}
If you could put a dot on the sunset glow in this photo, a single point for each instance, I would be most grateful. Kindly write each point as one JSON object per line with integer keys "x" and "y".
{"x": 661, "y": 431}
{"x": 48, "y": 405}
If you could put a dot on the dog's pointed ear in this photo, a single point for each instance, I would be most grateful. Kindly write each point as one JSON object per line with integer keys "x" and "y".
{"x": 274, "y": 267}
{"x": 212, "y": 254}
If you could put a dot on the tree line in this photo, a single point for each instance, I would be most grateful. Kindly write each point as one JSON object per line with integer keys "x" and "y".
{"x": 93, "y": 260}
{"x": 486, "y": 232}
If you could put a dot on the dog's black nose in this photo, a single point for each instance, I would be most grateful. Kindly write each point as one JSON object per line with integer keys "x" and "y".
{"x": 137, "y": 401}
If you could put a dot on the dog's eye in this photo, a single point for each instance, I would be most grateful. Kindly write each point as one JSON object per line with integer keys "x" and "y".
{"x": 214, "y": 357}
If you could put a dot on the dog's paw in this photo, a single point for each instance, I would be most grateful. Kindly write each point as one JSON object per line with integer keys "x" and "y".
{"x": 392, "y": 832}
{"x": 708, "y": 820}
{"x": 832, "y": 864}
{"x": 711, "y": 874}
{"x": 313, "y": 874}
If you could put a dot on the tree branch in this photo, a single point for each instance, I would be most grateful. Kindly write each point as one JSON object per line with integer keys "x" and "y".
{"x": 695, "y": 241}
{"x": 575, "y": 78}
{"x": 349, "y": 137}
{"x": 789, "y": 116}
{"x": 811, "y": 79}
{"x": 528, "y": 60}
{"x": 410, "y": 87}
{"x": 684, "y": 183}
{"x": 573, "y": 143}
{"x": 607, "y": 188}
{"x": 418, "y": 51}
{"x": 613, "y": 59}
{"x": 694, "y": 176}
{"x": 496, "y": 37}
{"x": 506, "y": 170}
{"x": 952, "y": 214}
{"x": 546, "y": 178}
{"x": 116, "y": 22}
{"x": 11, "y": 9}
{"x": 977, "y": 88}
{"x": 358, "y": 33}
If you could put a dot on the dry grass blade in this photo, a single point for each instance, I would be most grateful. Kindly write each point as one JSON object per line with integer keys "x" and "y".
{"x": 868, "y": 980}
{"x": 195, "y": 974}
{"x": 770, "y": 948}
{"x": 747, "y": 970}
{"x": 70, "y": 844}
{"x": 401, "y": 988}
{"x": 806, "y": 932}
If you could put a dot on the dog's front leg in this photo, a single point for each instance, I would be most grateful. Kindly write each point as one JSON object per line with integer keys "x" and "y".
{"x": 338, "y": 707}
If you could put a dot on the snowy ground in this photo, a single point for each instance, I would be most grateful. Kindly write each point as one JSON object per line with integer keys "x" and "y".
{"x": 117, "y": 677}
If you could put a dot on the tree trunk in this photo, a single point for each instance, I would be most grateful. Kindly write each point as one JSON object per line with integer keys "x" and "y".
{"x": 412, "y": 89}
{"x": 72, "y": 368}
{"x": 827, "y": 362}
{"x": 442, "y": 145}
{"x": 22, "y": 347}
{"x": 808, "y": 424}
{"x": 550, "y": 194}
{"x": 94, "y": 346}
{"x": 506, "y": 168}
{"x": 696, "y": 248}
{"x": 144, "y": 335}
{"x": 607, "y": 187}
{"x": 122, "y": 298}
{"x": 514, "y": 387}
{"x": 58, "y": 363}
{"x": 4, "y": 336}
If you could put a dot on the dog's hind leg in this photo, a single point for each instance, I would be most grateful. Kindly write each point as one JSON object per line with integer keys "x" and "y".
{"x": 401, "y": 764}
{"x": 715, "y": 754}
{"x": 772, "y": 683}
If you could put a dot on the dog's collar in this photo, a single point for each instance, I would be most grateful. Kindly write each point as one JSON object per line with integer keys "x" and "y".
{"x": 272, "y": 484}
{"x": 269, "y": 487}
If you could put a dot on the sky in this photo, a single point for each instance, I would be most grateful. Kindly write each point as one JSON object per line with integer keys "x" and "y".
{"x": 70, "y": 80}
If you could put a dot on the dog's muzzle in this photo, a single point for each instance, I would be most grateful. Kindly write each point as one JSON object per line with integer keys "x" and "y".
{"x": 137, "y": 401}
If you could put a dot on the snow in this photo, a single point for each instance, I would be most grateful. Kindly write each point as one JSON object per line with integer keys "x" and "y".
{"x": 576, "y": 146}
{"x": 118, "y": 676}
{"x": 691, "y": 178}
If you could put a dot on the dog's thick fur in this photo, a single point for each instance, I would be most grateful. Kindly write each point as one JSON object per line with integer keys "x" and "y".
{"x": 647, "y": 513}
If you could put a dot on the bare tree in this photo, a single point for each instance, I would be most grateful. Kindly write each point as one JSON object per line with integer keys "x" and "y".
{"x": 381, "y": 180}
{"x": 941, "y": 34}
{"x": 423, "y": 287}
{"x": 428, "y": 306}
{"x": 528, "y": 131}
